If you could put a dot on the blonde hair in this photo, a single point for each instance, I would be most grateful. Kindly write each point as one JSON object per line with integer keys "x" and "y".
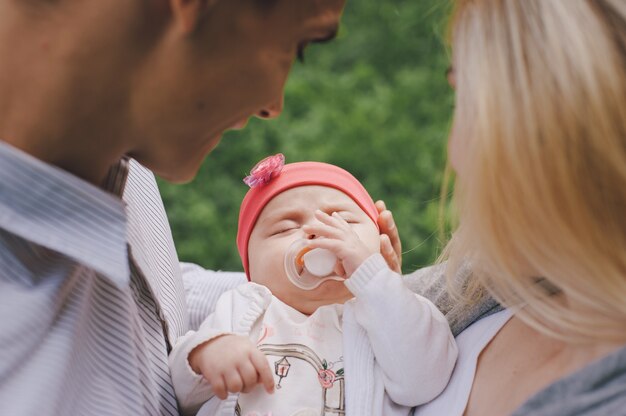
{"x": 541, "y": 195}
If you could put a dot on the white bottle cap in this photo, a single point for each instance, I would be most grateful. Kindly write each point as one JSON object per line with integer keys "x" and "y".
{"x": 307, "y": 269}
{"x": 320, "y": 262}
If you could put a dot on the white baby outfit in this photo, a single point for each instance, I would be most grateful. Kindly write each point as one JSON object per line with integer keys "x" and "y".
{"x": 381, "y": 353}
{"x": 305, "y": 354}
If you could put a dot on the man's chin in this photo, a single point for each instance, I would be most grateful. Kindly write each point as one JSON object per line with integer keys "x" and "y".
{"x": 175, "y": 173}
{"x": 182, "y": 166}
{"x": 177, "y": 177}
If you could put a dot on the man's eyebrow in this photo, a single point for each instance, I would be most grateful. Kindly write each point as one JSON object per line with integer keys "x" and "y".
{"x": 330, "y": 35}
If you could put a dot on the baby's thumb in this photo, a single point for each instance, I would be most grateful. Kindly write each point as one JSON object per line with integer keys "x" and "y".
{"x": 339, "y": 270}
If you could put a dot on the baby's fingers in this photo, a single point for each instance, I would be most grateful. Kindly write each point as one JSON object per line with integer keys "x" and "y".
{"x": 263, "y": 369}
{"x": 234, "y": 383}
{"x": 329, "y": 244}
{"x": 322, "y": 230}
{"x": 249, "y": 376}
{"x": 334, "y": 220}
{"x": 218, "y": 385}
{"x": 339, "y": 270}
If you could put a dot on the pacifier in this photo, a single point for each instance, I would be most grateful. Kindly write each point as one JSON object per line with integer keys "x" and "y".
{"x": 308, "y": 268}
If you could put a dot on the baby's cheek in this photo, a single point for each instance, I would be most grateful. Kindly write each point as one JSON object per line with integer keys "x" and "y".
{"x": 371, "y": 241}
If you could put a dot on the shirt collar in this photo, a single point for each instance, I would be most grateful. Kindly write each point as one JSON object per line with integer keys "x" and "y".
{"x": 57, "y": 210}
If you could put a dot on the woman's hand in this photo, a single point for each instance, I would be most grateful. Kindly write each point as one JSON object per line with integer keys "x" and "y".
{"x": 390, "y": 245}
{"x": 231, "y": 364}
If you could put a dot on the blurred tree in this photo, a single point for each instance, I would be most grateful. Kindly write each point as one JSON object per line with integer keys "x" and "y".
{"x": 375, "y": 102}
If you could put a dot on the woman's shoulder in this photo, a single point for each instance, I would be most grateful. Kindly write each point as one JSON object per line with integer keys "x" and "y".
{"x": 430, "y": 282}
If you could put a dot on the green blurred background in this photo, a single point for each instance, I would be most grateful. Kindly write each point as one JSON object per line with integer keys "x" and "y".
{"x": 375, "y": 101}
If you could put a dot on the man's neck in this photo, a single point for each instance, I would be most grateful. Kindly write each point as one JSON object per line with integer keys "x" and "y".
{"x": 50, "y": 105}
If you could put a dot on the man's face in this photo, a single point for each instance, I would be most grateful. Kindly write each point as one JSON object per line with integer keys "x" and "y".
{"x": 280, "y": 224}
{"x": 232, "y": 66}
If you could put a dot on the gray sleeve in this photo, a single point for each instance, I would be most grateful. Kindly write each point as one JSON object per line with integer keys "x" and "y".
{"x": 203, "y": 288}
{"x": 599, "y": 389}
{"x": 430, "y": 282}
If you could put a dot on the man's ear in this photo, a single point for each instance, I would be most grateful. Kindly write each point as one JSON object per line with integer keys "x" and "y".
{"x": 188, "y": 13}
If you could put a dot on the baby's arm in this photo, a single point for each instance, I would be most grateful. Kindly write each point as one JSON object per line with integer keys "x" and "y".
{"x": 410, "y": 338}
{"x": 216, "y": 359}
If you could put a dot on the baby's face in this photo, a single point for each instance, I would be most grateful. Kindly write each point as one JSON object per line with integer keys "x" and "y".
{"x": 280, "y": 224}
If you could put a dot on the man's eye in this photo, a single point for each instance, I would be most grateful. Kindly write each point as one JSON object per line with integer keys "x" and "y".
{"x": 300, "y": 52}
{"x": 326, "y": 38}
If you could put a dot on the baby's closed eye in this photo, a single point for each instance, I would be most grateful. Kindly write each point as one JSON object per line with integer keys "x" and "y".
{"x": 284, "y": 227}
{"x": 349, "y": 218}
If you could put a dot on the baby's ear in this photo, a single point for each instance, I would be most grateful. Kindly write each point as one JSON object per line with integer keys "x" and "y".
{"x": 189, "y": 13}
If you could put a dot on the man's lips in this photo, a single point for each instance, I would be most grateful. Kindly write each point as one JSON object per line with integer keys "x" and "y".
{"x": 239, "y": 125}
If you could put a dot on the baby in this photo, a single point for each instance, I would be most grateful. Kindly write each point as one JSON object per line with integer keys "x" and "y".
{"x": 324, "y": 327}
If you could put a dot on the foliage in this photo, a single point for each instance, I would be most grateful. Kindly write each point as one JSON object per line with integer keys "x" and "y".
{"x": 375, "y": 102}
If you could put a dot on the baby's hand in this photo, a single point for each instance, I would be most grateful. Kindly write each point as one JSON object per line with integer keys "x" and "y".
{"x": 231, "y": 364}
{"x": 339, "y": 238}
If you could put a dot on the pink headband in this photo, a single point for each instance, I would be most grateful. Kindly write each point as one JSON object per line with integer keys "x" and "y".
{"x": 270, "y": 177}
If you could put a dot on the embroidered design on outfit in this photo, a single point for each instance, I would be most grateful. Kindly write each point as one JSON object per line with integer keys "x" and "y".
{"x": 326, "y": 376}
{"x": 331, "y": 382}
{"x": 281, "y": 369}
{"x": 266, "y": 332}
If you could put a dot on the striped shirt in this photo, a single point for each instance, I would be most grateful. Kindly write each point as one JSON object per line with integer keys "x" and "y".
{"x": 91, "y": 295}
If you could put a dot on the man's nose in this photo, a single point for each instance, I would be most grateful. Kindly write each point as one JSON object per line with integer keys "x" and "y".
{"x": 272, "y": 110}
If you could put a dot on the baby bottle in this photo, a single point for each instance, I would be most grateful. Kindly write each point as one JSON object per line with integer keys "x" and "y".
{"x": 308, "y": 268}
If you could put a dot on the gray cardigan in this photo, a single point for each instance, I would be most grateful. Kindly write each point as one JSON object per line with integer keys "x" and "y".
{"x": 599, "y": 389}
{"x": 430, "y": 282}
